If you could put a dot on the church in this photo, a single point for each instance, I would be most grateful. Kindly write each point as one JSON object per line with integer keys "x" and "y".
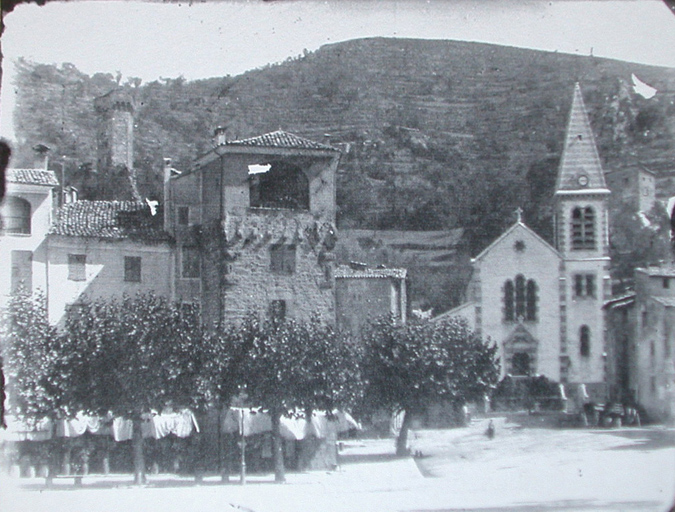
{"x": 541, "y": 304}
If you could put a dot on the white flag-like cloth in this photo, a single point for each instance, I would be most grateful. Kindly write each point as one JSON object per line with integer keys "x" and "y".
{"x": 641, "y": 88}
{"x": 296, "y": 427}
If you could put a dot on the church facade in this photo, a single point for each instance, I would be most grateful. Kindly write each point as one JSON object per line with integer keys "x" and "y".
{"x": 542, "y": 304}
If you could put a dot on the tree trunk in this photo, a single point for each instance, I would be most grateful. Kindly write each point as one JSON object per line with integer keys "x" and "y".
{"x": 106, "y": 456}
{"x": 278, "y": 448}
{"x": 139, "y": 459}
{"x": 402, "y": 440}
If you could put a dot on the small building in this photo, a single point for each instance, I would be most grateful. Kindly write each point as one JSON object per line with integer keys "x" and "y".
{"x": 653, "y": 371}
{"x": 634, "y": 185}
{"x": 102, "y": 249}
{"x": 26, "y": 213}
{"x": 364, "y": 294}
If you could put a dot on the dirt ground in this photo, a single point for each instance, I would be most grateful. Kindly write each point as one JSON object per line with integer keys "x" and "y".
{"x": 520, "y": 469}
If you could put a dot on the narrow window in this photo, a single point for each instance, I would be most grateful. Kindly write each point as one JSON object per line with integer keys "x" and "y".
{"x": 508, "y": 301}
{"x": 132, "y": 269}
{"x": 16, "y": 216}
{"x": 77, "y": 267}
{"x": 282, "y": 259}
{"x": 183, "y": 215}
{"x": 585, "y": 341}
{"x": 583, "y": 228}
{"x": 531, "y": 299}
{"x": 520, "y": 296}
{"x": 584, "y": 285}
{"x": 190, "y": 262}
{"x": 590, "y": 285}
{"x": 278, "y": 311}
{"x": 578, "y": 285}
{"x": 22, "y": 272}
{"x": 666, "y": 282}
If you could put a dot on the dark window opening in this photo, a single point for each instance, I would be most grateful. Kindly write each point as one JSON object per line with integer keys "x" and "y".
{"x": 520, "y": 364}
{"x": 585, "y": 341}
{"x": 16, "y": 216}
{"x": 583, "y": 229}
{"x": 278, "y": 311}
{"x": 190, "y": 268}
{"x": 282, "y": 259}
{"x": 584, "y": 285}
{"x": 520, "y": 296}
{"x": 531, "y": 301}
{"x": 183, "y": 215}
{"x": 520, "y": 300}
{"x": 132, "y": 269}
{"x": 282, "y": 186}
{"x": 508, "y": 302}
{"x": 22, "y": 272}
{"x": 666, "y": 282}
{"x": 77, "y": 267}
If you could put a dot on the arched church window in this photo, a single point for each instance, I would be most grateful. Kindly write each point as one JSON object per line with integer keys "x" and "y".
{"x": 585, "y": 341}
{"x": 520, "y": 299}
{"x": 509, "y": 313}
{"x": 531, "y": 301}
{"x": 16, "y": 216}
{"x": 583, "y": 228}
{"x": 520, "y": 296}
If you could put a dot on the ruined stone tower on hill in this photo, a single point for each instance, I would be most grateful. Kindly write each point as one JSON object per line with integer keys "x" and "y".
{"x": 115, "y": 145}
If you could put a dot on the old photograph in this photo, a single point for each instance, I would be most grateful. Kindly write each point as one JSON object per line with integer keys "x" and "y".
{"x": 337, "y": 255}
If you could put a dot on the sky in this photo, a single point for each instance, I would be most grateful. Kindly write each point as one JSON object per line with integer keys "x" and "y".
{"x": 199, "y": 40}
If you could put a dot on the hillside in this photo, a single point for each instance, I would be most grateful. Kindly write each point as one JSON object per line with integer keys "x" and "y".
{"x": 436, "y": 134}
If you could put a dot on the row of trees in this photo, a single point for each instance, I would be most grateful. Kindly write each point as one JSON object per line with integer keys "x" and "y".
{"x": 137, "y": 354}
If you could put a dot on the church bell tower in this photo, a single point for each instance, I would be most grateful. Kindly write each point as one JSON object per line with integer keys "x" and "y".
{"x": 582, "y": 238}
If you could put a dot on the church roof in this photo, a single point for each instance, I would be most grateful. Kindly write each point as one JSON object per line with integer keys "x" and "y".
{"x": 32, "y": 177}
{"x": 108, "y": 220}
{"x": 518, "y": 225}
{"x": 580, "y": 168}
{"x": 280, "y": 139}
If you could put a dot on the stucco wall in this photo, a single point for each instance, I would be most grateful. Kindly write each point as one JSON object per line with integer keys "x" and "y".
{"x": 104, "y": 275}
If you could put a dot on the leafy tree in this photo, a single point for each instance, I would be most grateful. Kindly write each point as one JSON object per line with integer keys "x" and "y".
{"x": 409, "y": 367}
{"x": 293, "y": 365}
{"x": 30, "y": 351}
{"x": 130, "y": 357}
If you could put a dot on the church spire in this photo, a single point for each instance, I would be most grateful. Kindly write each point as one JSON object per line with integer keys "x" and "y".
{"x": 580, "y": 168}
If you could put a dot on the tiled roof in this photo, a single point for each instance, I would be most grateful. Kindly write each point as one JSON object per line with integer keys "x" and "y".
{"x": 280, "y": 139}
{"x": 580, "y": 160}
{"x": 109, "y": 219}
{"x": 346, "y": 272}
{"x": 666, "y": 301}
{"x": 32, "y": 177}
{"x": 659, "y": 271}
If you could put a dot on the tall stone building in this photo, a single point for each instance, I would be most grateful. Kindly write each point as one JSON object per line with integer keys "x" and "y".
{"x": 543, "y": 305}
{"x": 115, "y": 146}
{"x": 254, "y": 223}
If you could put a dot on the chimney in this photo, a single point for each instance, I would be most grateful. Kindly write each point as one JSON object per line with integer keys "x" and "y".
{"x": 69, "y": 195}
{"x": 167, "y": 194}
{"x": 220, "y": 135}
{"x": 326, "y": 139}
{"x": 41, "y": 157}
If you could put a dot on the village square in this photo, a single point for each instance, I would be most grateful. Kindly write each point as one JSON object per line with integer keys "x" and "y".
{"x": 431, "y": 284}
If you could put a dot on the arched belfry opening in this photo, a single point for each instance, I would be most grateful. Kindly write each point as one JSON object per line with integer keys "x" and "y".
{"x": 278, "y": 184}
